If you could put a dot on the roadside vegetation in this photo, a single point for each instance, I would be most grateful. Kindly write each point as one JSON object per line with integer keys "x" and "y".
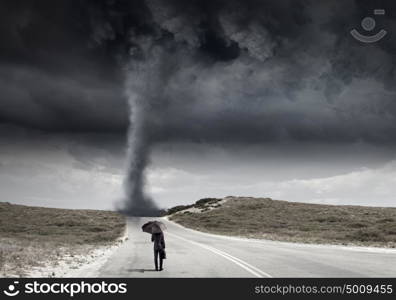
{"x": 31, "y": 237}
{"x": 264, "y": 218}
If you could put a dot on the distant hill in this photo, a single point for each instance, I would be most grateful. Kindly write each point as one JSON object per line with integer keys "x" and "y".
{"x": 264, "y": 218}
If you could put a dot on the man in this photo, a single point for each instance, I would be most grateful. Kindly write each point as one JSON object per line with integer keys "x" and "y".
{"x": 159, "y": 248}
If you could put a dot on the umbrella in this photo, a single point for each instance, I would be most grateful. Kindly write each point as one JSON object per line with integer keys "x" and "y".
{"x": 153, "y": 227}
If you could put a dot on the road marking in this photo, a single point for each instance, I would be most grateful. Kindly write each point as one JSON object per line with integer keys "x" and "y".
{"x": 247, "y": 264}
{"x": 244, "y": 265}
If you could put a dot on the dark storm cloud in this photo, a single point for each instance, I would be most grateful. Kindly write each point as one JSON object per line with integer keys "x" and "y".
{"x": 297, "y": 73}
{"x": 231, "y": 71}
{"x": 52, "y": 76}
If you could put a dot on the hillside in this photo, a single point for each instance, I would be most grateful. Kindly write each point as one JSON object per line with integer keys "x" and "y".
{"x": 264, "y": 218}
{"x": 35, "y": 237}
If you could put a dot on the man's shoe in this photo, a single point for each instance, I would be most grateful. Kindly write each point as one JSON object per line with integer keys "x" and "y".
{"x": 161, "y": 269}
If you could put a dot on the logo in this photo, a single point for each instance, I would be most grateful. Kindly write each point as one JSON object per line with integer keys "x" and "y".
{"x": 368, "y": 24}
{"x": 68, "y": 288}
{"x": 12, "y": 291}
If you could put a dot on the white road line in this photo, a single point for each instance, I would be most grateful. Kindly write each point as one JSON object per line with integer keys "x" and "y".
{"x": 244, "y": 265}
{"x": 243, "y": 262}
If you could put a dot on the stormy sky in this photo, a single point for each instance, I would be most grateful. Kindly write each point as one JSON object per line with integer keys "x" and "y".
{"x": 251, "y": 98}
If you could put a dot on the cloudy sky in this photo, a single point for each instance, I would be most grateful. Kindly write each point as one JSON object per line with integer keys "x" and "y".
{"x": 249, "y": 98}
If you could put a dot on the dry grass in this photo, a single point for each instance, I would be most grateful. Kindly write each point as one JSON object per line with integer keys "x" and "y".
{"x": 296, "y": 222}
{"x": 32, "y": 236}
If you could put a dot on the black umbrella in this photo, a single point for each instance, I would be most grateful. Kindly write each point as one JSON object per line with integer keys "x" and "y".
{"x": 153, "y": 227}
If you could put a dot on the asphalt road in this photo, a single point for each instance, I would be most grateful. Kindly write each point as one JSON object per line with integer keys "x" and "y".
{"x": 195, "y": 254}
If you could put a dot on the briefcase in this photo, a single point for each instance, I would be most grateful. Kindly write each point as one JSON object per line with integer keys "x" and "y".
{"x": 163, "y": 254}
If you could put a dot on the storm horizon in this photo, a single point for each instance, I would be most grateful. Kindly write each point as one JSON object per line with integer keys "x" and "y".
{"x": 149, "y": 104}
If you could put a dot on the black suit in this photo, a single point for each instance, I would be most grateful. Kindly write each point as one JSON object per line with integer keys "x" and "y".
{"x": 159, "y": 246}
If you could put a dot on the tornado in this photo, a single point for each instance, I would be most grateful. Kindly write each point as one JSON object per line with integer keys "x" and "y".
{"x": 137, "y": 202}
{"x": 142, "y": 88}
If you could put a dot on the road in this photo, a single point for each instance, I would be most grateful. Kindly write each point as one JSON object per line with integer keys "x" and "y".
{"x": 195, "y": 254}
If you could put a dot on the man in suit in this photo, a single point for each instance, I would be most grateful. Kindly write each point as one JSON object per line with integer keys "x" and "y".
{"x": 159, "y": 249}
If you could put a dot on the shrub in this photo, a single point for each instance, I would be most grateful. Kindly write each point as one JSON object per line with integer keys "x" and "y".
{"x": 203, "y": 201}
{"x": 175, "y": 209}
